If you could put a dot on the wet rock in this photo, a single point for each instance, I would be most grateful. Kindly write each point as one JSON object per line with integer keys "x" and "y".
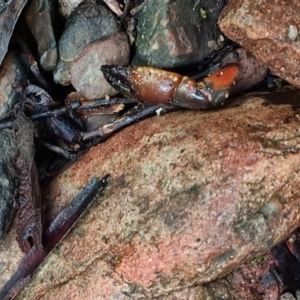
{"x": 67, "y": 6}
{"x": 268, "y": 30}
{"x": 8, "y": 180}
{"x": 167, "y": 38}
{"x": 38, "y": 19}
{"x": 12, "y": 73}
{"x": 253, "y": 70}
{"x": 86, "y": 76}
{"x": 87, "y": 23}
{"x": 62, "y": 73}
{"x": 10, "y": 12}
{"x": 252, "y": 280}
{"x": 289, "y": 296}
{"x": 192, "y": 196}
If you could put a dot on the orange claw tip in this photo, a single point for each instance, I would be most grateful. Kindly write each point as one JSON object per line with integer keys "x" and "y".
{"x": 224, "y": 78}
{"x": 220, "y": 84}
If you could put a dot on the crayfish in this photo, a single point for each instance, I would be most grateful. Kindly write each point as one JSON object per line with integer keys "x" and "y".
{"x": 149, "y": 85}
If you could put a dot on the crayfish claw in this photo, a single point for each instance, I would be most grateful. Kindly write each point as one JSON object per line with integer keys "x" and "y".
{"x": 221, "y": 83}
{"x": 118, "y": 77}
{"x": 147, "y": 85}
{"x": 154, "y": 86}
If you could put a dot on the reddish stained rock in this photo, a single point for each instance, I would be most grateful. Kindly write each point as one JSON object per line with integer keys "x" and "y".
{"x": 192, "y": 196}
{"x": 246, "y": 282}
{"x": 269, "y": 29}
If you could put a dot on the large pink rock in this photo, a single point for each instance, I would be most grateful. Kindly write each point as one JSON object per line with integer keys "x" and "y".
{"x": 192, "y": 195}
{"x": 269, "y": 29}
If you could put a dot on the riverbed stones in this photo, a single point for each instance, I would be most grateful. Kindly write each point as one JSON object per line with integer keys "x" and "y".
{"x": 8, "y": 180}
{"x": 38, "y": 17}
{"x": 177, "y": 33}
{"x": 86, "y": 75}
{"x": 269, "y": 30}
{"x": 192, "y": 195}
{"x": 87, "y": 23}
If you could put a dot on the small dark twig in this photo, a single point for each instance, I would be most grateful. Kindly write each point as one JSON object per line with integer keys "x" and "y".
{"x": 57, "y": 230}
{"x": 66, "y": 154}
{"x": 106, "y": 102}
{"x": 125, "y": 11}
{"x": 9, "y": 122}
{"x": 102, "y": 133}
{"x": 56, "y": 112}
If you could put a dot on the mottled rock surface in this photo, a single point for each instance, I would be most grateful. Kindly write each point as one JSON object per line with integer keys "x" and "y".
{"x": 12, "y": 72}
{"x": 87, "y": 23}
{"x": 39, "y": 21}
{"x": 167, "y": 38}
{"x": 10, "y": 14}
{"x": 67, "y": 6}
{"x": 8, "y": 180}
{"x": 192, "y": 196}
{"x": 251, "y": 281}
{"x": 269, "y": 30}
{"x": 86, "y": 76}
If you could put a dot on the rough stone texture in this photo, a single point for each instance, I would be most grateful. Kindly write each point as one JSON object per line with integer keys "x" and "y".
{"x": 12, "y": 72}
{"x": 246, "y": 282}
{"x": 62, "y": 73}
{"x": 192, "y": 195}
{"x": 67, "y": 6}
{"x": 39, "y": 21}
{"x": 8, "y": 180}
{"x": 167, "y": 38}
{"x": 269, "y": 30}
{"x": 86, "y": 76}
{"x": 10, "y": 12}
{"x": 10, "y": 255}
{"x": 87, "y": 23}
